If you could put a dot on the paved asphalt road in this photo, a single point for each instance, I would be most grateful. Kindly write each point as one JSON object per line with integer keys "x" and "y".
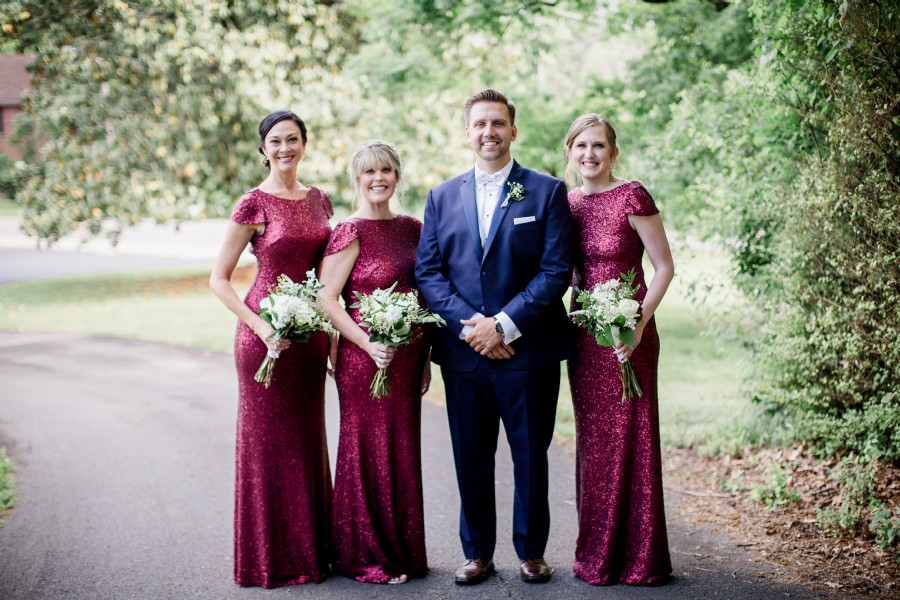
{"x": 125, "y": 466}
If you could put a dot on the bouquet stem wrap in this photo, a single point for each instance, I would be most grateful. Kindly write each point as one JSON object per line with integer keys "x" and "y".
{"x": 630, "y": 386}
{"x": 390, "y": 318}
{"x": 264, "y": 374}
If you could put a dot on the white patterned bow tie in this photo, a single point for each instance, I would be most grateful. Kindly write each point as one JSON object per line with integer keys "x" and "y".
{"x": 487, "y": 178}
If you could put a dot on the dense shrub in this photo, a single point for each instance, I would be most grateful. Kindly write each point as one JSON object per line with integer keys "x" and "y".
{"x": 773, "y": 125}
{"x": 831, "y": 330}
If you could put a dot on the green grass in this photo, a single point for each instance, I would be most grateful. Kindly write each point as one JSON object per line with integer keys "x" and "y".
{"x": 700, "y": 377}
{"x": 7, "y": 484}
{"x": 8, "y": 208}
{"x": 173, "y": 306}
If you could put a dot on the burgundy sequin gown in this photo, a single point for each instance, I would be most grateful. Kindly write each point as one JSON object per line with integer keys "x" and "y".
{"x": 379, "y": 525}
{"x": 621, "y": 519}
{"x": 282, "y": 479}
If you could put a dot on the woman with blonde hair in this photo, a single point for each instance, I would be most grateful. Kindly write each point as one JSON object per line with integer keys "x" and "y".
{"x": 621, "y": 519}
{"x": 378, "y": 530}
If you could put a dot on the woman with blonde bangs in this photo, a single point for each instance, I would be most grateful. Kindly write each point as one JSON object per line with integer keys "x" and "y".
{"x": 621, "y": 518}
{"x": 378, "y": 530}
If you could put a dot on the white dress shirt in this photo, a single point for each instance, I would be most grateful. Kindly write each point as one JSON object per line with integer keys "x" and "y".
{"x": 488, "y": 189}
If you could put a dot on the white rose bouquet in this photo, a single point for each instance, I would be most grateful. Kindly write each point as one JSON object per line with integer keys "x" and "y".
{"x": 389, "y": 318}
{"x": 294, "y": 311}
{"x": 610, "y": 313}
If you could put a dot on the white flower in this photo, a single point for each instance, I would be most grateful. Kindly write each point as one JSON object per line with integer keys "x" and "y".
{"x": 516, "y": 193}
{"x": 393, "y": 313}
{"x": 628, "y": 307}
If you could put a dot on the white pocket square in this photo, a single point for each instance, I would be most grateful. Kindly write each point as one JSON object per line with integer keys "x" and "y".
{"x": 520, "y": 220}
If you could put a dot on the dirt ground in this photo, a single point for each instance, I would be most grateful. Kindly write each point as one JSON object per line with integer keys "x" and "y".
{"x": 716, "y": 492}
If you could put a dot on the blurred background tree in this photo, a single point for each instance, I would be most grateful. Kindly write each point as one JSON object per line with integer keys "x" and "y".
{"x": 150, "y": 106}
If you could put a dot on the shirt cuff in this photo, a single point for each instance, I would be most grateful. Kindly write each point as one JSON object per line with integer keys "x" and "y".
{"x": 467, "y": 329}
{"x": 510, "y": 332}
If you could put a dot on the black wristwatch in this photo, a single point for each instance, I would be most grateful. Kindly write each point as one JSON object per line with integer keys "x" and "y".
{"x": 498, "y": 327}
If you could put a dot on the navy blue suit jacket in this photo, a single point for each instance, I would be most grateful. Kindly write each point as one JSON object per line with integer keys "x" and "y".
{"x": 523, "y": 269}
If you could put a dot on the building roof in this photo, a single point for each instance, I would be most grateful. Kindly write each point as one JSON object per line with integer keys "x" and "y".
{"x": 15, "y": 80}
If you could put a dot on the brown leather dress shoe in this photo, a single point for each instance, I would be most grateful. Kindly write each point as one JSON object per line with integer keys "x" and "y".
{"x": 475, "y": 571}
{"x": 535, "y": 570}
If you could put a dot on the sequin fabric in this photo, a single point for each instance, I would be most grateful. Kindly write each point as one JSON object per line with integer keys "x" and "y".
{"x": 621, "y": 518}
{"x": 282, "y": 477}
{"x": 379, "y": 525}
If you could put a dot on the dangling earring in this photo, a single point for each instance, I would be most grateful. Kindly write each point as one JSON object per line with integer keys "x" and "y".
{"x": 266, "y": 161}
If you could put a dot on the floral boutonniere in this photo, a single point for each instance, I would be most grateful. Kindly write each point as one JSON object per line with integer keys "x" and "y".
{"x": 516, "y": 193}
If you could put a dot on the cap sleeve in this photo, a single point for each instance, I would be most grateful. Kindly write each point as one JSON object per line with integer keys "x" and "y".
{"x": 249, "y": 210}
{"x": 640, "y": 203}
{"x": 344, "y": 233}
{"x": 326, "y": 203}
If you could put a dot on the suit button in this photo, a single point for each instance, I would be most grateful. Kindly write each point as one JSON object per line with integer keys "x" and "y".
{"x": 484, "y": 273}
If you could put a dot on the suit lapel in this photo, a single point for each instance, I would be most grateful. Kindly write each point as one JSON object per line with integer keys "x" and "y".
{"x": 467, "y": 193}
{"x": 500, "y": 213}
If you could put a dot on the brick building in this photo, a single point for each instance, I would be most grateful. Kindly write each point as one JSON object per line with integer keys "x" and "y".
{"x": 15, "y": 82}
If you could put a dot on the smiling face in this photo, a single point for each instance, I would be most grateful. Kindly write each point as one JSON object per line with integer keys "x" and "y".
{"x": 490, "y": 133}
{"x": 592, "y": 155}
{"x": 284, "y": 146}
{"x": 376, "y": 184}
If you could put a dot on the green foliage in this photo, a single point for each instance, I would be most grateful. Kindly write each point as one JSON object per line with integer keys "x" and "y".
{"x": 830, "y": 333}
{"x": 13, "y": 175}
{"x": 150, "y": 107}
{"x": 777, "y": 490}
{"x": 856, "y": 478}
{"x": 7, "y": 483}
{"x": 733, "y": 485}
{"x": 886, "y": 526}
{"x": 144, "y": 120}
{"x": 774, "y": 126}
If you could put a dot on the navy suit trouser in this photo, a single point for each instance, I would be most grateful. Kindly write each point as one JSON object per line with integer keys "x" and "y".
{"x": 525, "y": 401}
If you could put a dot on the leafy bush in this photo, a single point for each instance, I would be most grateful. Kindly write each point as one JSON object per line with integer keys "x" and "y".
{"x": 777, "y": 490}
{"x": 856, "y": 478}
{"x": 777, "y": 133}
{"x": 830, "y": 332}
{"x": 886, "y": 526}
{"x": 7, "y": 483}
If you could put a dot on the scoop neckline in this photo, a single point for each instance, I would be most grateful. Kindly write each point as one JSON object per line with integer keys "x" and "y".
{"x": 309, "y": 190}
{"x": 394, "y": 218}
{"x": 623, "y": 184}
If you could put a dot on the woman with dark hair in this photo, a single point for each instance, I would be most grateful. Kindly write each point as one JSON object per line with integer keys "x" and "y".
{"x": 619, "y": 496}
{"x": 282, "y": 481}
{"x": 379, "y": 525}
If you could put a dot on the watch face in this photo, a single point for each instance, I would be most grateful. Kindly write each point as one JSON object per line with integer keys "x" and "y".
{"x": 498, "y": 327}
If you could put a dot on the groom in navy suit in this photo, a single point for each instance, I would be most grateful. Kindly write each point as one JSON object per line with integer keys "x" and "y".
{"x": 494, "y": 260}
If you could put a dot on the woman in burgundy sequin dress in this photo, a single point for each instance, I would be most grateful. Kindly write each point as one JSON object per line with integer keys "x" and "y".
{"x": 282, "y": 480}
{"x": 621, "y": 519}
{"x": 379, "y": 526}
